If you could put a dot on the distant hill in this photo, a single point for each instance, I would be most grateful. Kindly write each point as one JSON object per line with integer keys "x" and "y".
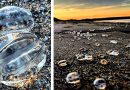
{"x": 94, "y": 19}
{"x": 56, "y": 19}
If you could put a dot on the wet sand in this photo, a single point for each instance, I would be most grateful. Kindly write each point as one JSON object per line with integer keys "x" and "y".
{"x": 116, "y": 72}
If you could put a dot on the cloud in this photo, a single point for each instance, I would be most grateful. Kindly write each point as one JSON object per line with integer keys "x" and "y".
{"x": 92, "y": 2}
{"x": 88, "y": 4}
{"x": 83, "y": 6}
{"x": 70, "y": 5}
{"x": 125, "y": 4}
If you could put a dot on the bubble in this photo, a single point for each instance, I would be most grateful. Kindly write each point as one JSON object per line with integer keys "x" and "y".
{"x": 13, "y": 18}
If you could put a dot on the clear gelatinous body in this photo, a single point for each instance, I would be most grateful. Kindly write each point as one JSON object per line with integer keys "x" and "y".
{"x": 100, "y": 83}
{"x": 21, "y": 53}
{"x": 73, "y": 78}
{"x": 13, "y": 18}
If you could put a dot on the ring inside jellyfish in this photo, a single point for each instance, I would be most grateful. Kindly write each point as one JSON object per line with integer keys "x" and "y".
{"x": 13, "y": 18}
{"x": 22, "y": 55}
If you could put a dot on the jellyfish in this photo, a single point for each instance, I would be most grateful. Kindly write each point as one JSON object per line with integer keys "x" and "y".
{"x": 73, "y": 78}
{"x": 20, "y": 49}
{"x": 13, "y": 18}
{"x": 100, "y": 83}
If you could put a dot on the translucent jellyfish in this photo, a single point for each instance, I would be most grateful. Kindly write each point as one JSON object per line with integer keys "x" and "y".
{"x": 73, "y": 78}
{"x": 128, "y": 45}
{"x": 82, "y": 57}
{"x": 100, "y": 83}
{"x": 105, "y": 35}
{"x": 101, "y": 56}
{"x": 62, "y": 63}
{"x": 104, "y": 61}
{"x": 113, "y": 52}
{"x": 21, "y": 54}
{"x": 13, "y": 18}
{"x": 114, "y": 41}
{"x": 97, "y": 44}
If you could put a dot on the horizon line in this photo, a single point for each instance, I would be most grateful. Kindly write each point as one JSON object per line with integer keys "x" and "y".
{"x": 114, "y": 17}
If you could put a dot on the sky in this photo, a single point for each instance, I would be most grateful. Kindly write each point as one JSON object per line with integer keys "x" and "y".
{"x": 82, "y": 9}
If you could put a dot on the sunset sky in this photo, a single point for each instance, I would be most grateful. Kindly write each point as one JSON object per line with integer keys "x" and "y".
{"x": 82, "y": 9}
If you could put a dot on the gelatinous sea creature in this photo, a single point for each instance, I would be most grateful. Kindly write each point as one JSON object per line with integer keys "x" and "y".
{"x": 62, "y": 63}
{"x": 73, "y": 78}
{"x": 113, "y": 52}
{"x": 100, "y": 83}
{"x": 82, "y": 57}
{"x": 114, "y": 41}
{"x": 14, "y": 19}
{"x": 21, "y": 54}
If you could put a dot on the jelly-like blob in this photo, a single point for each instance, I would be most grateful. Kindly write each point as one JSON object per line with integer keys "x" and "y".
{"x": 113, "y": 52}
{"x": 22, "y": 55}
{"x": 62, "y": 63}
{"x": 84, "y": 57}
{"x": 73, "y": 78}
{"x": 100, "y": 83}
{"x": 114, "y": 41}
{"x": 13, "y": 18}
